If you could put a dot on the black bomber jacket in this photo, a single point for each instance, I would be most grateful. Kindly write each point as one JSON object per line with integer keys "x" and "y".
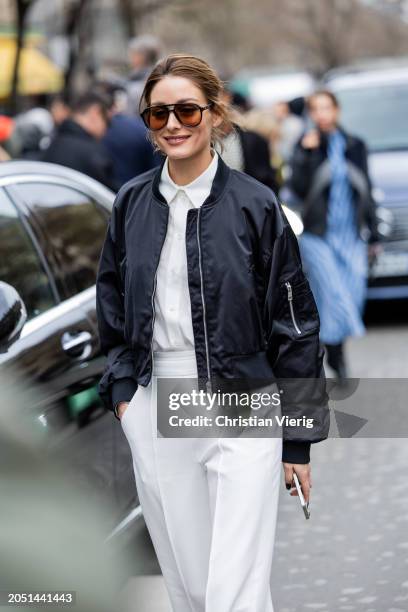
{"x": 253, "y": 313}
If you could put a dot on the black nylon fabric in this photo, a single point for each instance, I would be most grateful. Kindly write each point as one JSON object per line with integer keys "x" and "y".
{"x": 240, "y": 253}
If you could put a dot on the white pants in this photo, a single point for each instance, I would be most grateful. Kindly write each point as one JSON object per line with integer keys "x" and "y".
{"x": 210, "y": 505}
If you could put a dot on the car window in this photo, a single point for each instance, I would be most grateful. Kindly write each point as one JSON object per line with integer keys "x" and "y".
{"x": 378, "y": 114}
{"x": 20, "y": 265}
{"x": 74, "y": 228}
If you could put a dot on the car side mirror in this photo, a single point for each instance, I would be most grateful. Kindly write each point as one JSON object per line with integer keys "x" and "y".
{"x": 13, "y": 315}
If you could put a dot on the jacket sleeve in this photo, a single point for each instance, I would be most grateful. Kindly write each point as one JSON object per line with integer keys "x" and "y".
{"x": 118, "y": 382}
{"x": 302, "y": 164}
{"x": 371, "y": 216}
{"x": 294, "y": 350}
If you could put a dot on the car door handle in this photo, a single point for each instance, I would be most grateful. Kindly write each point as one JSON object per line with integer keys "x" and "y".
{"x": 77, "y": 344}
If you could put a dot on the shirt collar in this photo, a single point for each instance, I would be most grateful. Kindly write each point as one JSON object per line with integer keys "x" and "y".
{"x": 197, "y": 191}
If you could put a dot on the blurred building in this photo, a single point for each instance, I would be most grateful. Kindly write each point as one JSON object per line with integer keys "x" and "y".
{"x": 397, "y": 8}
{"x": 316, "y": 35}
{"x": 6, "y": 13}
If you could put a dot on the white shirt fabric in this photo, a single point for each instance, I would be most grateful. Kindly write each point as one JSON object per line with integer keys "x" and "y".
{"x": 173, "y": 328}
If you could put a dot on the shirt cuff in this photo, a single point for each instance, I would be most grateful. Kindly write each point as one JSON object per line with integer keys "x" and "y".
{"x": 122, "y": 391}
{"x": 296, "y": 452}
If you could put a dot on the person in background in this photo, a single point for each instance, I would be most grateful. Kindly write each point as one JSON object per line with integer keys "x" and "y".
{"x": 126, "y": 140}
{"x": 31, "y": 134}
{"x": 144, "y": 51}
{"x": 59, "y": 108}
{"x": 288, "y": 116}
{"x": 76, "y": 143}
{"x": 244, "y": 149}
{"x": 263, "y": 122}
{"x": 330, "y": 175}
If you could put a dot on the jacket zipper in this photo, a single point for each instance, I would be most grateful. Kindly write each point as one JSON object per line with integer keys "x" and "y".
{"x": 203, "y": 302}
{"x": 292, "y": 312}
{"x": 153, "y": 295}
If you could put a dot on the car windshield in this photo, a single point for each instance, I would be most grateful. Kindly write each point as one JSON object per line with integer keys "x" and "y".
{"x": 378, "y": 114}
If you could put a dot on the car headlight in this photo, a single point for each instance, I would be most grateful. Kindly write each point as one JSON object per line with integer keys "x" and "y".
{"x": 294, "y": 220}
{"x": 385, "y": 221}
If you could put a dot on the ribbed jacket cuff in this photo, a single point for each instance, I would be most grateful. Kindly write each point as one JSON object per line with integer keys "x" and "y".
{"x": 122, "y": 391}
{"x": 296, "y": 452}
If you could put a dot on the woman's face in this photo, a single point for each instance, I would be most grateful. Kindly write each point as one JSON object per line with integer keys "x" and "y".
{"x": 175, "y": 140}
{"x": 324, "y": 113}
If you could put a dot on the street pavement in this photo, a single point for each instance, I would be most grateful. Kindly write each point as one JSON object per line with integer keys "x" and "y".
{"x": 352, "y": 555}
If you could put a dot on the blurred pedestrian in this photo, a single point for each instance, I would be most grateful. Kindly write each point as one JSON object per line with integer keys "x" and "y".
{"x": 291, "y": 125}
{"x": 192, "y": 285}
{"x": 59, "y": 108}
{"x": 76, "y": 143}
{"x": 126, "y": 140}
{"x": 263, "y": 122}
{"x": 144, "y": 51}
{"x": 245, "y": 150}
{"x": 32, "y": 134}
{"x": 330, "y": 175}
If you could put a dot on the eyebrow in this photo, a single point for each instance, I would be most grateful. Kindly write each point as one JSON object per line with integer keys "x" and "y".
{"x": 178, "y": 101}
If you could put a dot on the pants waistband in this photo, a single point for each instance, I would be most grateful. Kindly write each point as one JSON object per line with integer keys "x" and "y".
{"x": 175, "y": 363}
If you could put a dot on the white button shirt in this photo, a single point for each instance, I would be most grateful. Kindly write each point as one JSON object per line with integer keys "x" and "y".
{"x": 173, "y": 328}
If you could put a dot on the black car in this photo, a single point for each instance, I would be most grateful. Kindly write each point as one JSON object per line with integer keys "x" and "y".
{"x": 52, "y": 226}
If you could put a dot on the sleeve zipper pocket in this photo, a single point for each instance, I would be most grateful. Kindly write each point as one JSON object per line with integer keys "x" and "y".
{"x": 292, "y": 312}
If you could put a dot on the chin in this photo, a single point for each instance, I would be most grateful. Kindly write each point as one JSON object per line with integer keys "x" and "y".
{"x": 178, "y": 152}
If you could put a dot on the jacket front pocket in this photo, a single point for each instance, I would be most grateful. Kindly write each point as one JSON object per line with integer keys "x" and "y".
{"x": 292, "y": 310}
{"x": 298, "y": 308}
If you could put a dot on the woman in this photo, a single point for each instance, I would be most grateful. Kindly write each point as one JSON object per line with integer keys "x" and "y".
{"x": 330, "y": 175}
{"x": 193, "y": 282}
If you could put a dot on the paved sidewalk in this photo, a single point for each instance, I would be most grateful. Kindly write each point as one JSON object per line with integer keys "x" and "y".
{"x": 145, "y": 594}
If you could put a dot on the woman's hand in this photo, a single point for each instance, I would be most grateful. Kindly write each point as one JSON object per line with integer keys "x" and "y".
{"x": 311, "y": 140}
{"x": 303, "y": 472}
{"x": 373, "y": 251}
{"x": 121, "y": 409}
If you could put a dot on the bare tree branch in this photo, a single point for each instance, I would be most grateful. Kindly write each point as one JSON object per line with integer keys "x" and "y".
{"x": 74, "y": 16}
{"x": 133, "y": 11}
{"x": 22, "y": 7}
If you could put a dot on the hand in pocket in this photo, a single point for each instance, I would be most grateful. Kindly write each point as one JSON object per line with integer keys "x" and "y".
{"x": 121, "y": 409}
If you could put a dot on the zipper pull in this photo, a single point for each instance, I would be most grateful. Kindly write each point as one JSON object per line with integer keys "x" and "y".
{"x": 292, "y": 312}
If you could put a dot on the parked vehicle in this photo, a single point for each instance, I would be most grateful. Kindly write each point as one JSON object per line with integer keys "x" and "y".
{"x": 374, "y": 102}
{"x": 265, "y": 86}
{"x": 53, "y": 223}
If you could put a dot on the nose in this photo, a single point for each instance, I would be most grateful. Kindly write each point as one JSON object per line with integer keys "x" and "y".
{"x": 173, "y": 122}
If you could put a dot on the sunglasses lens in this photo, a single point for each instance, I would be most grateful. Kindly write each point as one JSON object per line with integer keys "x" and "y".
{"x": 188, "y": 114}
{"x": 157, "y": 117}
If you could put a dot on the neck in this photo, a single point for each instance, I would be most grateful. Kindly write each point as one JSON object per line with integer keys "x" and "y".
{"x": 331, "y": 129}
{"x": 184, "y": 171}
{"x": 82, "y": 121}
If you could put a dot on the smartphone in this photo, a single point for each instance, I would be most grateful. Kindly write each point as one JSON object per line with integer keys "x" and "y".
{"x": 304, "y": 504}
